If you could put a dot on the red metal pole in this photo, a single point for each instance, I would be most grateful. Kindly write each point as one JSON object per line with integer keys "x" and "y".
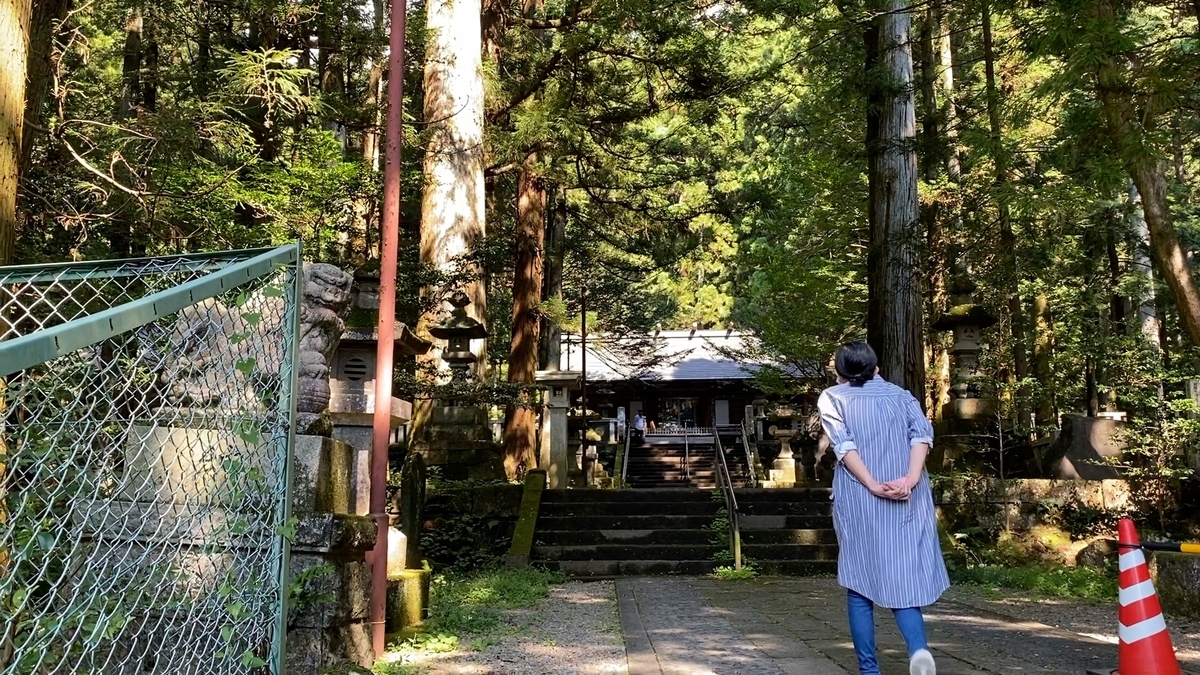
{"x": 387, "y": 325}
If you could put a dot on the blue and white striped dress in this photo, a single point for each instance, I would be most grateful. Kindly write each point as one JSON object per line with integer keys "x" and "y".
{"x": 889, "y": 550}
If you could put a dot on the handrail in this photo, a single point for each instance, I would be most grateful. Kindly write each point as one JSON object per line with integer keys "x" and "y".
{"x": 687, "y": 459}
{"x": 731, "y": 505}
{"x": 624, "y": 459}
{"x": 751, "y": 456}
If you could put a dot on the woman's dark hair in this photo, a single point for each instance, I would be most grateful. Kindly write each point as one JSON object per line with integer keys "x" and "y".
{"x": 856, "y": 362}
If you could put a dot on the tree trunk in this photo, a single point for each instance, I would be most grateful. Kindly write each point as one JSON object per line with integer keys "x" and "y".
{"x": 1008, "y": 242}
{"x": 938, "y": 158}
{"x": 520, "y": 433}
{"x": 45, "y": 19}
{"x": 452, "y": 206}
{"x": 894, "y": 322}
{"x": 131, "y": 66}
{"x": 150, "y": 67}
{"x": 552, "y": 286}
{"x": 1147, "y": 317}
{"x": 1121, "y": 113}
{"x": 14, "y": 59}
{"x": 1043, "y": 353}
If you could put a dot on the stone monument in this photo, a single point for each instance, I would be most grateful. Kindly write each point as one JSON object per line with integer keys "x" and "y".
{"x": 556, "y": 456}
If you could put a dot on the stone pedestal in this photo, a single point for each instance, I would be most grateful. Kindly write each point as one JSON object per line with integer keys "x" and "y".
{"x": 329, "y": 622}
{"x": 783, "y": 469}
{"x": 458, "y": 439}
{"x": 353, "y": 423}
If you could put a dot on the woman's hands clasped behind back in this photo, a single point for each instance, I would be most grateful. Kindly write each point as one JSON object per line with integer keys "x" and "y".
{"x": 899, "y": 489}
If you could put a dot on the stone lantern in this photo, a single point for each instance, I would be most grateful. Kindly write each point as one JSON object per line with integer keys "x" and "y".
{"x": 966, "y": 320}
{"x": 458, "y": 437}
{"x": 352, "y": 385}
{"x": 459, "y": 330}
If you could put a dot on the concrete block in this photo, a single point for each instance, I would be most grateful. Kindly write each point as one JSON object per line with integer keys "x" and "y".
{"x": 321, "y": 478}
{"x": 408, "y": 599}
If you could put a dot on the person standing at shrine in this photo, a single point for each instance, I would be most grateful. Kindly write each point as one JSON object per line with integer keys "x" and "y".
{"x": 889, "y": 553}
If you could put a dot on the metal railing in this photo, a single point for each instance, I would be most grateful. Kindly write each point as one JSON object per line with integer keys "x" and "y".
{"x": 687, "y": 459}
{"x": 751, "y": 454}
{"x": 623, "y": 459}
{"x": 146, "y": 430}
{"x": 731, "y": 505}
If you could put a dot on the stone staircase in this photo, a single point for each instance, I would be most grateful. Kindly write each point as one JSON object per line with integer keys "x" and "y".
{"x": 788, "y": 532}
{"x": 606, "y": 533}
{"x": 652, "y": 531}
{"x": 666, "y": 464}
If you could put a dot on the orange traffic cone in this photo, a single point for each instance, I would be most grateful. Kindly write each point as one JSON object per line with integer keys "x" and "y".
{"x": 1145, "y": 647}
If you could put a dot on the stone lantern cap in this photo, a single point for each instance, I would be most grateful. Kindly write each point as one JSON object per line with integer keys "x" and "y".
{"x": 968, "y": 314}
{"x": 459, "y": 325}
{"x": 406, "y": 342}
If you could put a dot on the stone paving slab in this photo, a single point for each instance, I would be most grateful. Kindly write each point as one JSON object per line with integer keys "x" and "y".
{"x": 785, "y": 626}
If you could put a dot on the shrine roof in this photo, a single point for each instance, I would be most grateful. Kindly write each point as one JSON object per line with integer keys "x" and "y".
{"x": 675, "y": 355}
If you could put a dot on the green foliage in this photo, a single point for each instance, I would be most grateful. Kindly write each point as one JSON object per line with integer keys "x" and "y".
{"x": 1045, "y": 580}
{"x": 728, "y": 573}
{"x": 468, "y": 609}
{"x": 467, "y": 543}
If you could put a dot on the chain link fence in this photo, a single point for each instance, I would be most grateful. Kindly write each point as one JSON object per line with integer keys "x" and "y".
{"x": 148, "y": 416}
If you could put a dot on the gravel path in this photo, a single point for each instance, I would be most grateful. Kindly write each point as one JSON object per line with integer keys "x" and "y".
{"x": 575, "y": 631}
{"x": 1094, "y": 620}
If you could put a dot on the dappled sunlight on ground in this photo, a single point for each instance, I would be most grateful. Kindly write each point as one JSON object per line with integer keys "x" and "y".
{"x": 574, "y": 631}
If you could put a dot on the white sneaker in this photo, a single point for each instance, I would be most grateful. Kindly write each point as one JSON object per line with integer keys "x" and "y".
{"x": 922, "y": 663}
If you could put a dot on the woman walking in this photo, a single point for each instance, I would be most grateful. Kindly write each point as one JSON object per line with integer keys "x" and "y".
{"x": 882, "y": 506}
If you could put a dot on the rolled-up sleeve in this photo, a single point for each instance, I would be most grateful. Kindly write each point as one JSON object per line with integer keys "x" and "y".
{"x": 919, "y": 428}
{"x": 840, "y": 438}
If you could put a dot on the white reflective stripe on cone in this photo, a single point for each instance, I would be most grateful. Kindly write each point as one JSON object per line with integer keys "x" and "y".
{"x": 1128, "y": 596}
{"x": 1131, "y": 559}
{"x": 1141, "y": 630}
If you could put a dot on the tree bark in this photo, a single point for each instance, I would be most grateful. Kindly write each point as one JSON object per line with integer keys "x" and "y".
{"x": 938, "y": 158}
{"x": 14, "y": 59}
{"x": 894, "y": 321}
{"x": 1149, "y": 176}
{"x": 45, "y": 19}
{"x": 520, "y": 433}
{"x": 452, "y": 206}
{"x": 1008, "y": 242}
{"x": 552, "y": 286}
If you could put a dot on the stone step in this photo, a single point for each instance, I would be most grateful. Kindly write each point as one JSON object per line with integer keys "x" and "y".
{"x": 627, "y": 508}
{"x": 630, "y": 537}
{"x": 785, "y": 522}
{"x": 566, "y": 523}
{"x": 657, "y": 483}
{"x": 796, "y": 568}
{"x": 806, "y": 536}
{"x": 819, "y": 552}
{"x": 801, "y": 494}
{"x": 616, "y": 552}
{"x": 674, "y": 494}
{"x": 752, "y": 508}
{"x": 629, "y": 568}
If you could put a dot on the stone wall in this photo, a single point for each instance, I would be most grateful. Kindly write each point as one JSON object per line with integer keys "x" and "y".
{"x": 1028, "y": 502}
{"x": 482, "y": 514}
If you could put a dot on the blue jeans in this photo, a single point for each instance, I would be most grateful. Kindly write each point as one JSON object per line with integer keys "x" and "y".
{"x": 862, "y": 629}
